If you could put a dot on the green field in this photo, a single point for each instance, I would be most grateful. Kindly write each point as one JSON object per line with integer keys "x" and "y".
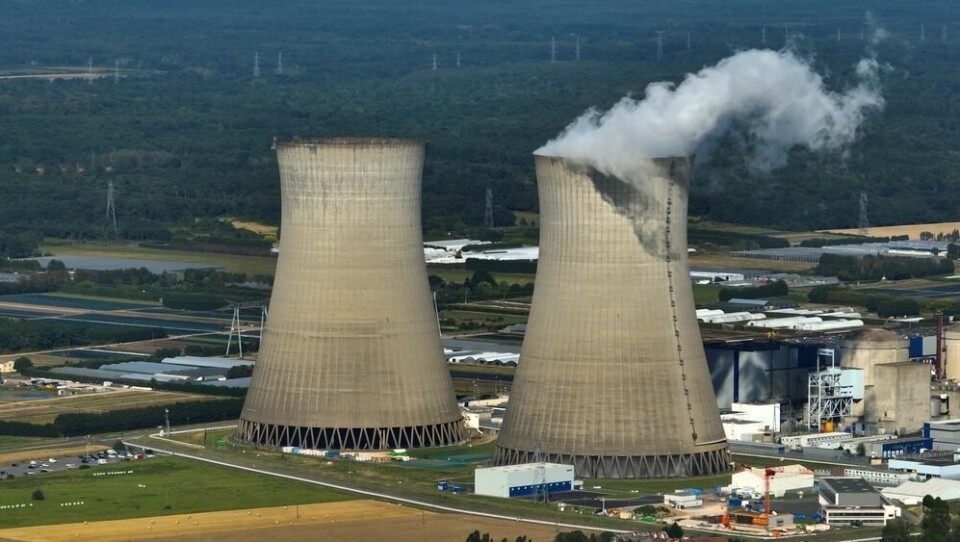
{"x": 231, "y": 263}
{"x": 161, "y": 486}
{"x": 705, "y": 293}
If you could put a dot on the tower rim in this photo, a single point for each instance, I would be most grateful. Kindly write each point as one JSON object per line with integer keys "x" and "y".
{"x": 347, "y": 141}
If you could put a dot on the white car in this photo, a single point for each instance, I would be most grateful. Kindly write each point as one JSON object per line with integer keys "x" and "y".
{"x": 52, "y": 460}
{"x": 71, "y": 466}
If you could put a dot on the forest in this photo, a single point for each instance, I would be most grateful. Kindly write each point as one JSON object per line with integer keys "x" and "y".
{"x": 194, "y": 93}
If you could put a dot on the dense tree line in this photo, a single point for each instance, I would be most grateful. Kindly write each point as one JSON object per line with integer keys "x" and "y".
{"x": 185, "y": 132}
{"x": 501, "y": 266}
{"x": 84, "y": 423}
{"x": 480, "y": 285}
{"x": 818, "y": 242}
{"x": 884, "y": 305}
{"x": 777, "y": 288}
{"x": 742, "y": 241}
{"x": 28, "y": 335}
{"x": 872, "y": 268}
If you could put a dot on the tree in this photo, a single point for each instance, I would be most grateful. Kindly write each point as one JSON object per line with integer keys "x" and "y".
{"x": 674, "y": 531}
{"x": 38, "y": 495}
{"x": 22, "y": 363}
{"x": 861, "y": 449}
{"x": 935, "y": 526}
{"x": 119, "y": 446}
{"x": 897, "y": 530}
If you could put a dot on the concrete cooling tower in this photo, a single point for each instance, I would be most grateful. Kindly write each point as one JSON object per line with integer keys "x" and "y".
{"x": 612, "y": 376}
{"x": 351, "y": 355}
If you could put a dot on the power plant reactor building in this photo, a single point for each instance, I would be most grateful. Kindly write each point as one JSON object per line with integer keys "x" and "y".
{"x": 612, "y": 376}
{"x": 351, "y": 355}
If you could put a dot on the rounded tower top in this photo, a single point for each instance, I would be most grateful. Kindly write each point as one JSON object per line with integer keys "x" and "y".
{"x": 347, "y": 142}
{"x": 875, "y": 338}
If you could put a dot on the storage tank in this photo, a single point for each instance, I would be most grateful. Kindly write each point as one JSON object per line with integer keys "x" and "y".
{"x": 351, "y": 355}
{"x": 613, "y": 379}
{"x": 868, "y": 347}
{"x": 951, "y": 352}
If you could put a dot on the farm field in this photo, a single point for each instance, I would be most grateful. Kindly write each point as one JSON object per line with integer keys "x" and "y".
{"x": 913, "y": 230}
{"x": 153, "y": 487}
{"x": 712, "y": 260}
{"x": 231, "y": 263}
{"x": 13, "y": 408}
{"x": 352, "y": 520}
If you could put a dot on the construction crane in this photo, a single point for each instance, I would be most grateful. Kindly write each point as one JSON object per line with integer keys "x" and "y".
{"x": 768, "y": 475}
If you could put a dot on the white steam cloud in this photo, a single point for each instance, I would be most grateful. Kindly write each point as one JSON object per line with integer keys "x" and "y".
{"x": 774, "y": 96}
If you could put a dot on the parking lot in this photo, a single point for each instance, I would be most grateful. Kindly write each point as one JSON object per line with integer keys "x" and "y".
{"x": 45, "y": 464}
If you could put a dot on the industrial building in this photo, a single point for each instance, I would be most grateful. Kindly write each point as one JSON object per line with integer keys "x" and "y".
{"x": 944, "y": 433}
{"x": 925, "y": 469}
{"x": 752, "y": 481}
{"x": 831, "y": 439}
{"x": 867, "y": 348}
{"x": 351, "y": 355}
{"x": 899, "y": 400}
{"x": 522, "y": 480}
{"x": 852, "y": 501}
{"x": 912, "y": 493}
{"x": 897, "y": 447}
{"x": 614, "y": 380}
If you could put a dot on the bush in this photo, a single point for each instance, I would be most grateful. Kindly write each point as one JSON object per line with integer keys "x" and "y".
{"x": 22, "y": 363}
{"x": 38, "y": 495}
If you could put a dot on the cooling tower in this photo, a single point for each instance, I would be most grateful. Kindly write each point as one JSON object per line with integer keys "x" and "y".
{"x": 351, "y": 355}
{"x": 612, "y": 375}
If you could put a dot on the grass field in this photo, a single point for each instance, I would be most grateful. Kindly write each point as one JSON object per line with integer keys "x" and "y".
{"x": 156, "y": 487}
{"x": 705, "y": 293}
{"x": 264, "y": 265}
{"x": 710, "y": 260}
{"x": 497, "y": 319}
{"x": 44, "y": 410}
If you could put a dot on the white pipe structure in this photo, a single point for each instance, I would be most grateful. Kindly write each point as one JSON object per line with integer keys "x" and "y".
{"x": 784, "y": 323}
{"x": 733, "y": 317}
{"x": 829, "y": 325}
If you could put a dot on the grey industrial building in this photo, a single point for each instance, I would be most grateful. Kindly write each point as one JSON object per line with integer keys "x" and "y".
{"x": 847, "y": 501}
{"x": 612, "y": 378}
{"x": 351, "y": 355}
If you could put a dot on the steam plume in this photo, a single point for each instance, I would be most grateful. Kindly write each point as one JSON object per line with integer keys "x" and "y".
{"x": 775, "y": 96}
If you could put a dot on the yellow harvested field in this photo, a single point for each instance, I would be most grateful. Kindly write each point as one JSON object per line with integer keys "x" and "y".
{"x": 255, "y": 227}
{"x": 105, "y": 401}
{"x": 40, "y": 453}
{"x": 913, "y": 230}
{"x": 351, "y": 520}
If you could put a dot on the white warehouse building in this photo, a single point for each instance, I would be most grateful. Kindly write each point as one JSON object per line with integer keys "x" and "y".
{"x": 524, "y": 479}
{"x": 786, "y": 478}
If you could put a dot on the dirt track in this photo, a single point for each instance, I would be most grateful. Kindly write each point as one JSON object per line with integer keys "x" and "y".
{"x": 352, "y": 520}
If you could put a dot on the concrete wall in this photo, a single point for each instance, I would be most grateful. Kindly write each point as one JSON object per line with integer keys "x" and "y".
{"x": 900, "y": 399}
